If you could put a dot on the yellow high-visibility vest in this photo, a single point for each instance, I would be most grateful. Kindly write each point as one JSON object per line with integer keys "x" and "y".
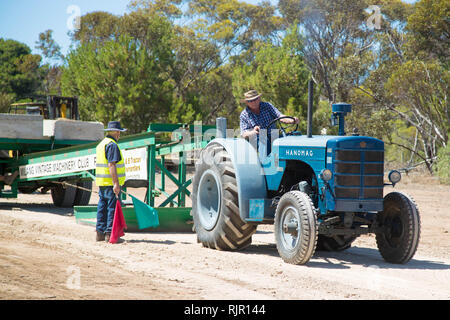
{"x": 103, "y": 177}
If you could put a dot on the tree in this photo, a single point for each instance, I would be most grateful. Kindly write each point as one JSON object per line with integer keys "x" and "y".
{"x": 48, "y": 46}
{"x": 214, "y": 37}
{"x": 166, "y": 8}
{"x": 333, "y": 31}
{"x": 5, "y": 101}
{"x": 96, "y": 27}
{"x": 236, "y": 28}
{"x": 124, "y": 79}
{"x": 419, "y": 91}
{"x": 409, "y": 87}
{"x": 430, "y": 29}
{"x": 339, "y": 46}
{"x": 201, "y": 79}
{"x": 19, "y": 70}
{"x": 51, "y": 71}
{"x": 280, "y": 73}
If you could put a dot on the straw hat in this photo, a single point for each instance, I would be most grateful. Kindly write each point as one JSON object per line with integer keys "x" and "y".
{"x": 250, "y": 95}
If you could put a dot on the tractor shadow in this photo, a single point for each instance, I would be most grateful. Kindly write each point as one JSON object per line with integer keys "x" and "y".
{"x": 370, "y": 257}
{"x": 164, "y": 242}
{"x": 38, "y": 208}
{"x": 268, "y": 249}
{"x": 367, "y": 257}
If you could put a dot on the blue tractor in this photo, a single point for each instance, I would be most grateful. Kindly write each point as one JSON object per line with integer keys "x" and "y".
{"x": 320, "y": 192}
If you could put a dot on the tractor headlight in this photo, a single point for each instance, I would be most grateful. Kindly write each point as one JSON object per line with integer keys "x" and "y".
{"x": 326, "y": 175}
{"x": 394, "y": 176}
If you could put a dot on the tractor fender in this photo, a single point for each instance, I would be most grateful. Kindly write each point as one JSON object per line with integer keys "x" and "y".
{"x": 250, "y": 178}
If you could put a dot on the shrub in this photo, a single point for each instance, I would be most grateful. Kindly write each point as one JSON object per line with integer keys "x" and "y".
{"x": 5, "y": 101}
{"x": 443, "y": 165}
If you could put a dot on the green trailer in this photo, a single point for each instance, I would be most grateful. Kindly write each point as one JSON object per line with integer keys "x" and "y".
{"x": 67, "y": 169}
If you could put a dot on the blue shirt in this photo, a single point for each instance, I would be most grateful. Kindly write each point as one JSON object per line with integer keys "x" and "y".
{"x": 267, "y": 112}
{"x": 112, "y": 151}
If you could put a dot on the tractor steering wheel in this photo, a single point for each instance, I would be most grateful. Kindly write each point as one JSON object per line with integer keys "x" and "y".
{"x": 286, "y": 125}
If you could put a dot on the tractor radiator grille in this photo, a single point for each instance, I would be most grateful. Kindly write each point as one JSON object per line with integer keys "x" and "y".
{"x": 359, "y": 174}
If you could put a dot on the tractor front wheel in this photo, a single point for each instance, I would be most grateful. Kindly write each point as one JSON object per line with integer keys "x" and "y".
{"x": 296, "y": 227}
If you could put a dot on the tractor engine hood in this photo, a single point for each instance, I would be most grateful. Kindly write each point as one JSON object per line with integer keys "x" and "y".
{"x": 356, "y": 163}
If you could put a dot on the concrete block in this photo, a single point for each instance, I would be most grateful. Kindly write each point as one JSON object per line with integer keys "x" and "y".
{"x": 65, "y": 129}
{"x": 20, "y": 126}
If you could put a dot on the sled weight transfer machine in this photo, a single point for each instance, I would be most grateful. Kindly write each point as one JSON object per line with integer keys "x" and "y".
{"x": 66, "y": 168}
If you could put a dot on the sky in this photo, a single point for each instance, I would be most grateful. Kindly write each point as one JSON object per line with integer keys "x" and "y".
{"x": 23, "y": 20}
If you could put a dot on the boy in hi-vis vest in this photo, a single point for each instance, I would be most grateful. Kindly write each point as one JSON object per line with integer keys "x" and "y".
{"x": 109, "y": 177}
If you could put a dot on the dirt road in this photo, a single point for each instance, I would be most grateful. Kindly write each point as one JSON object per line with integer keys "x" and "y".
{"x": 44, "y": 254}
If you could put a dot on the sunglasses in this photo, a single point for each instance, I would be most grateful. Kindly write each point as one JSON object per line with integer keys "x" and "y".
{"x": 253, "y": 100}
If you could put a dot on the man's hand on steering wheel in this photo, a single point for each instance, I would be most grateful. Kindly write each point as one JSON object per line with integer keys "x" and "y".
{"x": 290, "y": 121}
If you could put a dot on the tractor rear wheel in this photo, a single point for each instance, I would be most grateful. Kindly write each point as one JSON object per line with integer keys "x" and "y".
{"x": 398, "y": 228}
{"x": 296, "y": 227}
{"x": 215, "y": 202}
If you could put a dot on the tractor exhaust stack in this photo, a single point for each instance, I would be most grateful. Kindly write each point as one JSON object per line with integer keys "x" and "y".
{"x": 310, "y": 107}
{"x": 221, "y": 127}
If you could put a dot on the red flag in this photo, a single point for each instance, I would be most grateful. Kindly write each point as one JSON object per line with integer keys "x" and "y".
{"x": 118, "y": 224}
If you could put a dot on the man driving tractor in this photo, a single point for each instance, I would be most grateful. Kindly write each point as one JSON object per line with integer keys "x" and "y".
{"x": 260, "y": 115}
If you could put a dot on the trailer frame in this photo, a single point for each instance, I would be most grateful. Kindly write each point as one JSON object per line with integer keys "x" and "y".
{"x": 48, "y": 153}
